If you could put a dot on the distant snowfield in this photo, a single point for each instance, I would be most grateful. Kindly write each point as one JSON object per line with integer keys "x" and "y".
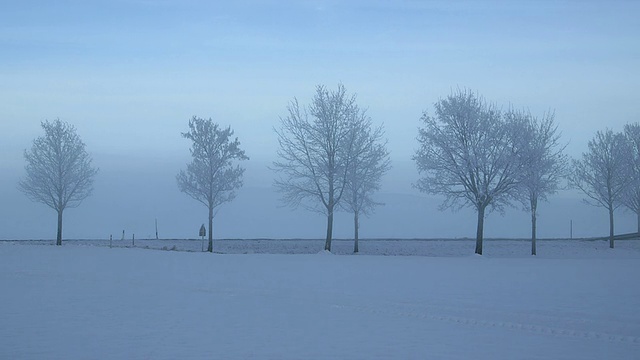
{"x": 438, "y": 248}
{"x": 577, "y": 300}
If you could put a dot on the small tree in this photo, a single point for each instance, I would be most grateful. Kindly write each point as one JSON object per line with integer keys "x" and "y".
{"x": 467, "y": 153}
{"x": 370, "y": 161}
{"x": 543, "y": 163}
{"x": 315, "y": 152}
{"x": 211, "y": 177}
{"x": 631, "y": 197}
{"x": 603, "y": 174}
{"x": 59, "y": 170}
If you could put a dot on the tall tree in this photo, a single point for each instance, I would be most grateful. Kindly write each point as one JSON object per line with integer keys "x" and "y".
{"x": 211, "y": 177}
{"x": 59, "y": 170}
{"x": 315, "y": 152}
{"x": 370, "y": 161}
{"x": 631, "y": 198}
{"x": 544, "y": 164}
{"x": 603, "y": 173}
{"x": 467, "y": 153}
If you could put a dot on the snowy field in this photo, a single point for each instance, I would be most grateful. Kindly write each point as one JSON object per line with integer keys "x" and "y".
{"x": 576, "y": 300}
{"x": 434, "y": 247}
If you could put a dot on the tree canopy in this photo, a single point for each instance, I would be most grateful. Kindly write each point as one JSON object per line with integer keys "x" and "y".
{"x": 59, "y": 170}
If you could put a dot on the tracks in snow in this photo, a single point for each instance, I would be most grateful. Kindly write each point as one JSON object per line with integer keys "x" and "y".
{"x": 576, "y": 325}
{"x": 534, "y": 325}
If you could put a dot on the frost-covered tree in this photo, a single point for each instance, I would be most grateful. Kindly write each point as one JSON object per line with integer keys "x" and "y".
{"x": 467, "y": 153}
{"x": 370, "y": 161}
{"x": 315, "y": 152}
{"x": 631, "y": 197}
{"x": 543, "y": 163}
{"x": 211, "y": 177}
{"x": 603, "y": 173}
{"x": 59, "y": 170}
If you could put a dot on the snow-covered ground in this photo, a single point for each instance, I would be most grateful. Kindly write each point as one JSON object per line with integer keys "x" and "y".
{"x": 576, "y": 300}
{"x": 433, "y": 247}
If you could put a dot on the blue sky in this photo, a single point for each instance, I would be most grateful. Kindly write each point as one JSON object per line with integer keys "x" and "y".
{"x": 148, "y": 64}
{"x": 129, "y": 74}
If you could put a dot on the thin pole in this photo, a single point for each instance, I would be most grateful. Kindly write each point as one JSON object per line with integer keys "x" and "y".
{"x": 156, "y": 229}
{"x": 571, "y": 229}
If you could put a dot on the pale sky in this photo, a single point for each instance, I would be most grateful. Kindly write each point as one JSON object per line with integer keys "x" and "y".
{"x": 129, "y": 74}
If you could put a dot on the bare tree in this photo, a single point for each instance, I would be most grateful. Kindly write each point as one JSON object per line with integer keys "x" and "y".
{"x": 603, "y": 173}
{"x": 315, "y": 152}
{"x": 59, "y": 170}
{"x": 211, "y": 177}
{"x": 467, "y": 153}
{"x": 369, "y": 162}
{"x": 543, "y": 163}
{"x": 631, "y": 198}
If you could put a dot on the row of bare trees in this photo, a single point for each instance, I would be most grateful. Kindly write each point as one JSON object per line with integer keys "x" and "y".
{"x": 331, "y": 157}
{"x": 477, "y": 155}
{"x": 609, "y": 173}
{"x": 60, "y": 173}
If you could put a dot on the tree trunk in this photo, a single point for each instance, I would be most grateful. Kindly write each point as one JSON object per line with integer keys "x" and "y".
{"x": 356, "y": 226}
{"x": 480, "y": 230}
{"x": 327, "y": 244}
{"x": 611, "y": 227}
{"x": 59, "y": 235}
{"x": 210, "y": 248}
{"x": 533, "y": 227}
